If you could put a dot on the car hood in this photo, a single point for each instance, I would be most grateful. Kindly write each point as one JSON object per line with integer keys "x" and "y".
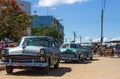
{"x": 24, "y": 50}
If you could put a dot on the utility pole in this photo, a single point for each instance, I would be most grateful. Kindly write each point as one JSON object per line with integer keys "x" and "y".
{"x": 74, "y": 34}
{"x": 102, "y": 19}
{"x": 91, "y": 41}
{"x": 80, "y": 39}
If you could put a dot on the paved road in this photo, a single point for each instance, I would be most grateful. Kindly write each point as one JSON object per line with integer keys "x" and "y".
{"x": 99, "y": 68}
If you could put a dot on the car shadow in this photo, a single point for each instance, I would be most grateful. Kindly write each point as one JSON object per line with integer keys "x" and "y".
{"x": 94, "y": 59}
{"x": 36, "y": 72}
{"x": 76, "y": 62}
{"x": 87, "y": 61}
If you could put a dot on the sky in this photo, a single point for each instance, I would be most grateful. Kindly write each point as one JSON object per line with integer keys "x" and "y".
{"x": 82, "y": 17}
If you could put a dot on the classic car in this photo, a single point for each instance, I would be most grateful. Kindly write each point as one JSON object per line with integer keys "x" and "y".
{"x": 71, "y": 51}
{"x": 88, "y": 52}
{"x": 32, "y": 51}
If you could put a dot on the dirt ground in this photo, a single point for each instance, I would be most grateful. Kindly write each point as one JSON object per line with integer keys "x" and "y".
{"x": 99, "y": 68}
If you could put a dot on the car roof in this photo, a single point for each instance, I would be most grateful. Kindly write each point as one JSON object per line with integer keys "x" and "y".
{"x": 70, "y": 43}
{"x": 48, "y": 37}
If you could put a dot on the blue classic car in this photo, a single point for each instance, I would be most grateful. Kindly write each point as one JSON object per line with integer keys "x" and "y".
{"x": 88, "y": 51}
{"x": 71, "y": 51}
{"x": 32, "y": 51}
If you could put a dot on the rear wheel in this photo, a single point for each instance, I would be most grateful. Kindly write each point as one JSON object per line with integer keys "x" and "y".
{"x": 9, "y": 69}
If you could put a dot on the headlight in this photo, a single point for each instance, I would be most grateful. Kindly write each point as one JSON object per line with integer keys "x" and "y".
{"x": 42, "y": 59}
{"x": 3, "y": 52}
{"x": 3, "y": 59}
{"x": 42, "y": 52}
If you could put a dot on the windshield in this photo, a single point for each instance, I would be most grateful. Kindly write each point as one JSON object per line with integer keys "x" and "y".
{"x": 35, "y": 42}
{"x": 65, "y": 46}
{"x": 74, "y": 46}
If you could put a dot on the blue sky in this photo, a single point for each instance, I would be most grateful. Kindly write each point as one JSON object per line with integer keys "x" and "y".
{"x": 82, "y": 16}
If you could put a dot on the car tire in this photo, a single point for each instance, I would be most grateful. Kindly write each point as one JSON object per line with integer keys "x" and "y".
{"x": 56, "y": 66}
{"x": 9, "y": 69}
{"x": 91, "y": 58}
{"x": 80, "y": 60}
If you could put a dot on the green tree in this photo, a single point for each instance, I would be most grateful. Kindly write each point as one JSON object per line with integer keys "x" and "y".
{"x": 13, "y": 21}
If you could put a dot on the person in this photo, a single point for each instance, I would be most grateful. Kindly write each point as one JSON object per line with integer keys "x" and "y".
{"x": 4, "y": 44}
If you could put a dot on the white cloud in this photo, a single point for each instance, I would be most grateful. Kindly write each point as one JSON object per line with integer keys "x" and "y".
{"x": 117, "y": 38}
{"x": 98, "y": 39}
{"x": 50, "y": 3}
{"x": 89, "y": 39}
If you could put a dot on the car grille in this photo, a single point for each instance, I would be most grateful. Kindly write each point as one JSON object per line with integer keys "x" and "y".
{"x": 67, "y": 55}
{"x": 24, "y": 58}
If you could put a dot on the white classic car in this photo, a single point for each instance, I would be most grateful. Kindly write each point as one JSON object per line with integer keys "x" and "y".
{"x": 32, "y": 51}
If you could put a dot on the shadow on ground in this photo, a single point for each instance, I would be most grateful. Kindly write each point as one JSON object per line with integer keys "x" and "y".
{"x": 94, "y": 59}
{"x": 87, "y": 61}
{"x": 37, "y": 72}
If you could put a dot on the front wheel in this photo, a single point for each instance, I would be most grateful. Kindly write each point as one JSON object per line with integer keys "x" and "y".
{"x": 80, "y": 59}
{"x": 91, "y": 58}
{"x": 9, "y": 69}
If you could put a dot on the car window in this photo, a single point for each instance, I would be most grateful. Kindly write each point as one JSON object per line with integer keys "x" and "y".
{"x": 65, "y": 46}
{"x": 74, "y": 46}
{"x": 36, "y": 42}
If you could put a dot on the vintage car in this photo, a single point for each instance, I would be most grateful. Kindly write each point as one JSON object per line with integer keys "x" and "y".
{"x": 88, "y": 52}
{"x": 32, "y": 52}
{"x": 71, "y": 51}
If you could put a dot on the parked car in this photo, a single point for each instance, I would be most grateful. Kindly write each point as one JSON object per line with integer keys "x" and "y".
{"x": 71, "y": 51}
{"x": 88, "y": 51}
{"x": 32, "y": 51}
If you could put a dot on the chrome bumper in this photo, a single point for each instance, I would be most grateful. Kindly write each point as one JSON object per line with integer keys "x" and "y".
{"x": 29, "y": 64}
{"x": 68, "y": 58}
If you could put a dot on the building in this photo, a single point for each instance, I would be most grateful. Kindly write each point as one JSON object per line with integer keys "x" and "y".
{"x": 46, "y": 21}
{"x": 25, "y": 6}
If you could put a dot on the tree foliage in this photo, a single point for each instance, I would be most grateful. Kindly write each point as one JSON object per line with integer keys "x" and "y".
{"x": 13, "y": 21}
{"x": 48, "y": 31}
